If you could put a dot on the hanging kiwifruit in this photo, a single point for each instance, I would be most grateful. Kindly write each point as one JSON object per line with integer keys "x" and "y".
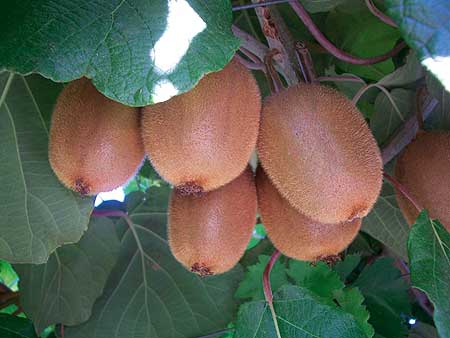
{"x": 317, "y": 149}
{"x": 209, "y": 233}
{"x": 424, "y": 170}
{"x": 95, "y": 142}
{"x": 202, "y": 139}
{"x": 294, "y": 234}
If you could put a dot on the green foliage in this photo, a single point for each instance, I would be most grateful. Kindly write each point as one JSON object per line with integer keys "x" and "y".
{"x": 8, "y": 276}
{"x": 122, "y": 45}
{"x": 345, "y": 268}
{"x": 429, "y": 256}
{"x": 386, "y": 223}
{"x": 299, "y": 315}
{"x": 424, "y": 26}
{"x": 72, "y": 279}
{"x": 38, "y": 213}
{"x": 259, "y": 233}
{"x": 251, "y": 286}
{"x": 148, "y": 293}
{"x": 386, "y": 297}
{"x": 15, "y": 327}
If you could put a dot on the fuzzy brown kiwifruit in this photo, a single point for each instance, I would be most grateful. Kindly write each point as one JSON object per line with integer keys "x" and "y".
{"x": 202, "y": 139}
{"x": 95, "y": 143}
{"x": 209, "y": 233}
{"x": 317, "y": 149}
{"x": 294, "y": 234}
{"x": 423, "y": 169}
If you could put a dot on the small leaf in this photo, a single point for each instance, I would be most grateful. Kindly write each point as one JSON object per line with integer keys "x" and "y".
{"x": 38, "y": 214}
{"x": 409, "y": 73}
{"x": 16, "y": 327}
{"x": 429, "y": 257}
{"x": 136, "y": 51}
{"x": 386, "y": 297}
{"x": 150, "y": 294}
{"x": 386, "y": 223}
{"x": 299, "y": 315}
{"x": 386, "y": 120}
{"x": 251, "y": 286}
{"x": 345, "y": 268}
{"x": 424, "y": 25}
{"x": 63, "y": 290}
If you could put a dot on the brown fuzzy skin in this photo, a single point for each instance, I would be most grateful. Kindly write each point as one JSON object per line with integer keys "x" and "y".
{"x": 208, "y": 234}
{"x": 294, "y": 234}
{"x": 205, "y": 137}
{"x": 424, "y": 170}
{"x": 95, "y": 143}
{"x": 319, "y": 152}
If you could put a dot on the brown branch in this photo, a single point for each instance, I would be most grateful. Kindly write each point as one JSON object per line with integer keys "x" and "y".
{"x": 408, "y": 131}
{"x": 249, "y": 64}
{"x": 272, "y": 76}
{"x": 279, "y": 37}
{"x": 260, "y": 4}
{"x": 331, "y": 48}
{"x": 250, "y": 43}
{"x": 379, "y": 14}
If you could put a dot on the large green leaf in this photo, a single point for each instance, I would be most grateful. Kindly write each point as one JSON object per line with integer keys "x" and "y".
{"x": 386, "y": 223}
{"x": 386, "y": 119}
{"x": 425, "y": 26}
{"x": 136, "y": 51}
{"x": 15, "y": 327}
{"x": 429, "y": 257}
{"x": 299, "y": 315}
{"x": 65, "y": 288}
{"x": 37, "y": 213}
{"x": 149, "y": 294}
{"x": 386, "y": 297}
{"x": 422, "y": 330}
{"x": 364, "y": 35}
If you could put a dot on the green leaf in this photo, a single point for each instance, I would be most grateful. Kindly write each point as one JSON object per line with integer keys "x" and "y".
{"x": 16, "y": 327}
{"x": 429, "y": 257}
{"x": 251, "y": 286}
{"x": 299, "y": 315}
{"x": 386, "y": 223}
{"x": 259, "y": 233}
{"x": 135, "y": 51}
{"x": 440, "y": 117}
{"x": 364, "y": 35}
{"x": 386, "y": 297}
{"x": 325, "y": 284}
{"x": 150, "y": 294}
{"x": 38, "y": 214}
{"x": 63, "y": 290}
{"x": 409, "y": 73}
{"x": 319, "y": 279}
{"x": 424, "y": 26}
{"x": 8, "y": 276}
{"x": 345, "y": 268}
{"x": 386, "y": 120}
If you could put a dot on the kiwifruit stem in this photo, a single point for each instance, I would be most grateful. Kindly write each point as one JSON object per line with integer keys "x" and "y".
{"x": 379, "y": 14}
{"x": 401, "y": 188}
{"x": 305, "y": 62}
{"x": 268, "y": 288}
{"x": 331, "y": 48}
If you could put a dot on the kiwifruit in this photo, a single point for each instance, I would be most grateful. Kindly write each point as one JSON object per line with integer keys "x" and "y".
{"x": 319, "y": 152}
{"x": 294, "y": 234}
{"x": 95, "y": 142}
{"x": 209, "y": 233}
{"x": 423, "y": 169}
{"x": 202, "y": 139}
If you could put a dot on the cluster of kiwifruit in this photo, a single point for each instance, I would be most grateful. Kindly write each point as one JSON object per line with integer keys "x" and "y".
{"x": 320, "y": 172}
